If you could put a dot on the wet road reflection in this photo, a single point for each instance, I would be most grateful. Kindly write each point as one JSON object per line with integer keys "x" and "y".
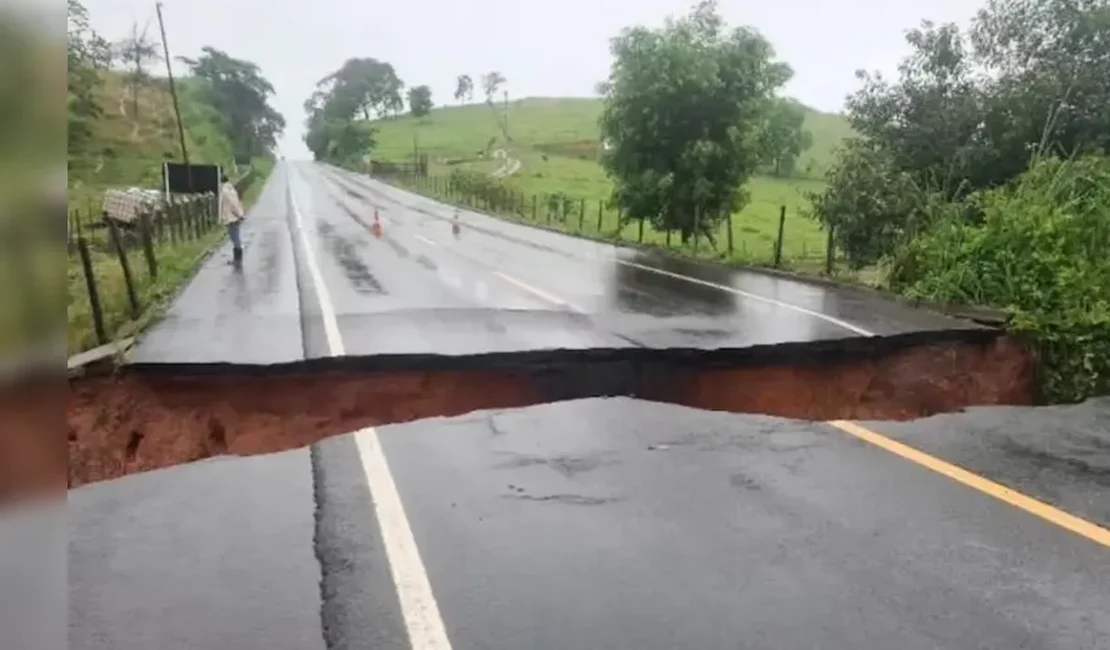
{"x": 637, "y": 290}
{"x": 392, "y": 291}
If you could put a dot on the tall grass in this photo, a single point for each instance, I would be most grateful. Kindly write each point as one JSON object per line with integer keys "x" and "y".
{"x": 1041, "y": 250}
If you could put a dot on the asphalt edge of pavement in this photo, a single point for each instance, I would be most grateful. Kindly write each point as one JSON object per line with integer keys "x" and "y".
{"x": 856, "y": 348}
{"x": 359, "y": 606}
{"x": 977, "y": 314}
{"x": 307, "y": 302}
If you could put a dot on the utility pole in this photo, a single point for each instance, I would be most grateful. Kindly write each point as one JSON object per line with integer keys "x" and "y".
{"x": 173, "y": 93}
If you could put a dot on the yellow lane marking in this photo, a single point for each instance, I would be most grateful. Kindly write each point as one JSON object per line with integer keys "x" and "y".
{"x": 536, "y": 292}
{"x": 1091, "y": 531}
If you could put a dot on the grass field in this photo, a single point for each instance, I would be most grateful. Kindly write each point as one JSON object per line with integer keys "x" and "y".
{"x": 556, "y": 140}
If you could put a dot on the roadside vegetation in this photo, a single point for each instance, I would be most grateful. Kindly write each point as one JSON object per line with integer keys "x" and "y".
{"x": 977, "y": 174}
{"x": 122, "y": 128}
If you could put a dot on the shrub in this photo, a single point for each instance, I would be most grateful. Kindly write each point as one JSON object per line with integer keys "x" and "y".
{"x": 1042, "y": 252}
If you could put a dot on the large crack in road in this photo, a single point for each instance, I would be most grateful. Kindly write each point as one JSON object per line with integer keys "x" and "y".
{"x": 148, "y": 417}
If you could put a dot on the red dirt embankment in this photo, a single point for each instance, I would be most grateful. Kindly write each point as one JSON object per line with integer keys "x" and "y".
{"x": 140, "y": 421}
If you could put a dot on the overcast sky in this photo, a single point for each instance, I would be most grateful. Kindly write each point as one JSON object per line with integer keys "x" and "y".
{"x": 553, "y": 48}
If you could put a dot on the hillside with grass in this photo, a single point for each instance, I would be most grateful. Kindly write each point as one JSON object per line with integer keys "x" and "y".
{"x": 556, "y": 126}
{"x": 556, "y": 141}
{"x": 127, "y": 147}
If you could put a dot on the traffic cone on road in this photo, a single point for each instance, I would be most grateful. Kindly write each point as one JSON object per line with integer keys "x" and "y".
{"x": 377, "y": 227}
{"x": 455, "y": 228}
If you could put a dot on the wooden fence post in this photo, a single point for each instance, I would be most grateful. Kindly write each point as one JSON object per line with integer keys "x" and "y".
{"x": 148, "y": 245}
{"x": 90, "y": 286}
{"x": 697, "y": 224}
{"x": 641, "y": 231}
{"x": 728, "y": 220}
{"x": 830, "y": 250}
{"x": 778, "y": 242}
{"x": 125, "y": 264}
{"x": 600, "y": 207}
{"x": 581, "y": 214}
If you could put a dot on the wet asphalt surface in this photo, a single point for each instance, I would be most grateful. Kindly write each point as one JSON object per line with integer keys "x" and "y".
{"x": 601, "y": 523}
{"x": 495, "y": 287}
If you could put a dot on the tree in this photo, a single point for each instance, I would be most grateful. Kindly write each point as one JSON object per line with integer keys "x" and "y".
{"x": 682, "y": 113}
{"x": 968, "y": 111}
{"x": 337, "y": 140}
{"x": 491, "y": 82}
{"x": 464, "y": 88}
{"x": 87, "y": 55}
{"x": 136, "y": 52}
{"x": 420, "y": 101}
{"x": 239, "y": 92}
{"x": 784, "y": 137}
{"x": 370, "y": 86}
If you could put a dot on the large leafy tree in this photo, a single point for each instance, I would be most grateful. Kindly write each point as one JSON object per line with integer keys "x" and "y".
{"x": 237, "y": 89}
{"x": 420, "y": 100}
{"x": 369, "y": 86}
{"x": 360, "y": 88}
{"x": 683, "y": 110}
{"x": 338, "y": 140}
{"x": 967, "y": 112}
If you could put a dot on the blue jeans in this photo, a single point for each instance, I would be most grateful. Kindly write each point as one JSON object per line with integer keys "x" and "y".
{"x": 233, "y": 233}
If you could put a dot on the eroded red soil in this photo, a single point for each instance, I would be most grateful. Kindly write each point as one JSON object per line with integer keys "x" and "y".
{"x": 128, "y": 424}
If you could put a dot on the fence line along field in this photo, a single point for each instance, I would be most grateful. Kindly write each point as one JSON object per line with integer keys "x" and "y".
{"x": 557, "y": 143}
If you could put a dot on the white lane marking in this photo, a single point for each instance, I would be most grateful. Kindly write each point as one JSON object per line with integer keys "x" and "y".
{"x": 754, "y": 296}
{"x": 538, "y": 292}
{"x": 418, "y": 603}
{"x": 426, "y": 240}
{"x": 327, "y": 310}
{"x": 423, "y": 622}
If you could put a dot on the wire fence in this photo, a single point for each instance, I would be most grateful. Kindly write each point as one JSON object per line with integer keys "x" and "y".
{"x": 118, "y": 269}
{"x": 114, "y": 266}
{"x": 796, "y": 243}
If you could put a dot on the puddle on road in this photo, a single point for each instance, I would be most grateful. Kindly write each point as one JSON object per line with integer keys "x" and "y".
{"x": 136, "y": 421}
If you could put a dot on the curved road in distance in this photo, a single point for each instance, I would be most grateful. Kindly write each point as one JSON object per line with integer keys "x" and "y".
{"x": 603, "y": 523}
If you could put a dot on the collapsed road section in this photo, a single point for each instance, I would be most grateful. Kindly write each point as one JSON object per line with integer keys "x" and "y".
{"x": 144, "y": 417}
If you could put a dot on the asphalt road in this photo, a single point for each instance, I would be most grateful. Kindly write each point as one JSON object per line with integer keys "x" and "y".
{"x": 604, "y": 523}
{"x": 494, "y": 287}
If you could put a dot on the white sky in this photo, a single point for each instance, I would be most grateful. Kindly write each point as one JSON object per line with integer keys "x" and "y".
{"x": 557, "y": 48}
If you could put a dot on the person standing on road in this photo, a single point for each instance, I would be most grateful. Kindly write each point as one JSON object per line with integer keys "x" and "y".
{"x": 231, "y": 215}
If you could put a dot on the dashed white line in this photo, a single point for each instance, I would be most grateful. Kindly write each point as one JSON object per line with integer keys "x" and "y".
{"x": 423, "y": 622}
{"x": 754, "y": 296}
{"x": 425, "y": 240}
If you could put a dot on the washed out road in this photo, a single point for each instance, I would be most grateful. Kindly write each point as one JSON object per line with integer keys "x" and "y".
{"x": 602, "y": 523}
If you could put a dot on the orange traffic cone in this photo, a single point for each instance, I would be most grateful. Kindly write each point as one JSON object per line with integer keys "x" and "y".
{"x": 455, "y": 224}
{"x": 377, "y": 227}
